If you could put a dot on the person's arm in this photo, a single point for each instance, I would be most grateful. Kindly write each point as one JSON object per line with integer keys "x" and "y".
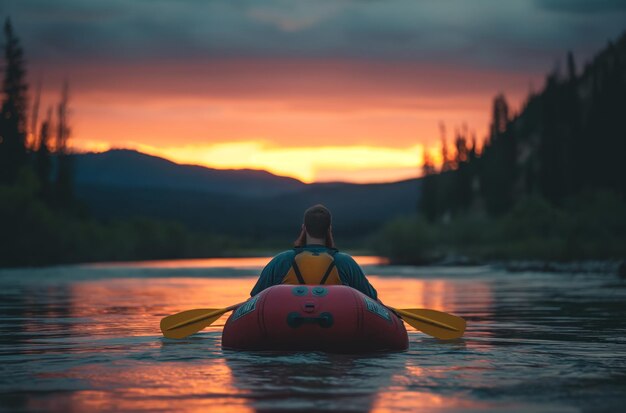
{"x": 273, "y": 273}
{"x": 352, "y": 275}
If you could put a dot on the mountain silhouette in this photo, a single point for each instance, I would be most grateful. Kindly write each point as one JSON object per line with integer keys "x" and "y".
{"x": 124, "y": 168}
{"x": 241, "y": 203}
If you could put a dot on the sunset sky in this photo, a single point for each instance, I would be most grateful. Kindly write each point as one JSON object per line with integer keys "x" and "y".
{"x": 320, "y": 90}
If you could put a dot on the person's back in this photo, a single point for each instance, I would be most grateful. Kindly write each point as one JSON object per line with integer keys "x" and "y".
{"x": 314, "y": 260}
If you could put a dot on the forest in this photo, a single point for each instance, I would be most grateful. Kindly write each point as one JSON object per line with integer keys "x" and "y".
{"x": 41, "y": 220}
{"x": 548, "y": 183}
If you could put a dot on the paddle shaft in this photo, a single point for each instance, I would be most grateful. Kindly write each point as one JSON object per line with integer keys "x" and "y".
{"x": 423, "y": 319}
{"x": 204, "y": 316}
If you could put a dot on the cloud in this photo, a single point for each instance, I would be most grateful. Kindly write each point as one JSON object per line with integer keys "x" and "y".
{"x": 339, "y": 73}
{"x": 508, "y": 35}
{"x": 583, "y": 6}
{"x": 295, "y": 15}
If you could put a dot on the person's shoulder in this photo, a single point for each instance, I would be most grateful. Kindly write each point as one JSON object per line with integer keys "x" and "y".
{"x": 285, "y": 255}
{"x": 342, "y": 257}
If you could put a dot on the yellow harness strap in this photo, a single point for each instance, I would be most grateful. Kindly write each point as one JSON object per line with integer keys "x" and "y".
{"x": 313, "y": 268}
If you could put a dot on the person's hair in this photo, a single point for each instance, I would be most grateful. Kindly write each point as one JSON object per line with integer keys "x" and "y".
{"x": 317, "y": 220}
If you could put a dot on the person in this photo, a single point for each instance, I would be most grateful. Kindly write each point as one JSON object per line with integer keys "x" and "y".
{"x": 314, "y": 259}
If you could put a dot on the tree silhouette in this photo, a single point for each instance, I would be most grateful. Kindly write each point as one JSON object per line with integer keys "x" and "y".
{"x": 568, "y": 139}
{"x": 34, "y": 119}
{"x": 571, "y": 66}
{"x": 43, "y": 164}
{"x": 446, "y": 160}
{"x": 13, "y": 116}
{"x": 500, "y": 116}
{"x": 428, "y": 199}
{"x": 461, "y": 197}
{"x": 63, "y": 182}
{"x": 498, "y": 163}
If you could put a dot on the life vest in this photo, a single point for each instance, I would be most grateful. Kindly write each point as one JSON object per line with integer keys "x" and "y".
{"x": 311, "y": 267}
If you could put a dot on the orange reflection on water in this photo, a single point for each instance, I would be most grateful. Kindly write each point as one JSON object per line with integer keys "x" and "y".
{"x": 135, "y": 306}
{"x": 416, "y": 401}
{"x": 106, "y": 300}
{"x": 471, "y": 298}
{"x": 416, "y": 293}
{"x": 235, "y": 262}
{"x": 206, "y": 386}
{"x": 127, "y": 308}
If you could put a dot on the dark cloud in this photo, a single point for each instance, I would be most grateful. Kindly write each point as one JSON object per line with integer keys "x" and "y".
{"x": 583, "y": 6}
{"x": 505, "y": 35}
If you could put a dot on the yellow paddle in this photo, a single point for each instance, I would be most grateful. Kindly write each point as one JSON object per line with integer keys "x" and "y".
{"x": 188, "y": 322}
{"x": 434, "y": 323}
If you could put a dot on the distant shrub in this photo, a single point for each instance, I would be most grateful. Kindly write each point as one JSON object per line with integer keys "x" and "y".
{"x": 34, "y": 233}
{"x": 407, "y": 240}
{"x": 589, "y": 226}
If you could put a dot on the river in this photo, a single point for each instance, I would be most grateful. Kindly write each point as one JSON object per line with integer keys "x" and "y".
{"x": 86, "y": 338}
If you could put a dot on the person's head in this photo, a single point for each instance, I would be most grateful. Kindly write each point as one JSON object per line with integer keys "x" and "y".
{"x": 317, "y": 224}
{"x": 317, "y": 221}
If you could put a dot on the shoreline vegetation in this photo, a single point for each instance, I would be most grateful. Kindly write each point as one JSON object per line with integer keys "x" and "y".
{"x": 590, "y": 228}
{"x": 533, "y": 237}
{"x": 548, "y": 184}
{"x": 35, "y": 233}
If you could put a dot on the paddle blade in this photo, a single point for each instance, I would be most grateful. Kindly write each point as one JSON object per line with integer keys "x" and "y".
{"x": 438, "y": 324}
{"x": 188, "y": 322}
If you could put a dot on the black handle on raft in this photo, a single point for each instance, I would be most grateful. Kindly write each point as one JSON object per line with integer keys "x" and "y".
{"x": 295, "y": 320}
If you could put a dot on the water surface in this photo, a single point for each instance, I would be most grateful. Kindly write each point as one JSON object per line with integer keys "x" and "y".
{"x": 86, "y": 338}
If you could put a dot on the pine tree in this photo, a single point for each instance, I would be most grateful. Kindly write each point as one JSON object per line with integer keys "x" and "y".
{"x": 571, "y": 66}
{"x": 14, "y": 104}
{"x": 428, "y": 203}
{"x": 500, "y": 116}
{"x": 428, "y": 168}
{"x": 43, "y": 164}
{"x": 64, "y": 190}
{"x": 446, "y": 161}
{"x": 498, "y": 163}
{"x": 462, "y": 179}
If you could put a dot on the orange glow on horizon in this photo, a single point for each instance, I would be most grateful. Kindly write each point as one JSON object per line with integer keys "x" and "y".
{"x": 316, "y": 120}
{"x": 357, "y": 164}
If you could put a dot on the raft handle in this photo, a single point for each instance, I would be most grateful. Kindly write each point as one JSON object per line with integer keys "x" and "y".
{"x": 295, "y": 320}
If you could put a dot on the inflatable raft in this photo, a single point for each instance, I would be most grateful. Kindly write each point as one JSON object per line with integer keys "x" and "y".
{"x": 332, "y": 318}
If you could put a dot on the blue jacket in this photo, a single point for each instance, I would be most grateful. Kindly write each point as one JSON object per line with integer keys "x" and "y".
{"x": 349, "y": 271}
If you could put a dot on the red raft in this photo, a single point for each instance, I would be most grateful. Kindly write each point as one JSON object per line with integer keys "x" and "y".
{"x": 332, "y": 318}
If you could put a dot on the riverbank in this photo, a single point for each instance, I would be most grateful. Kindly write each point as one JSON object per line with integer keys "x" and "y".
{"x": 535, "y": 234}
{"x": 39, "y": 233}
{"x": 573, "y": 267}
